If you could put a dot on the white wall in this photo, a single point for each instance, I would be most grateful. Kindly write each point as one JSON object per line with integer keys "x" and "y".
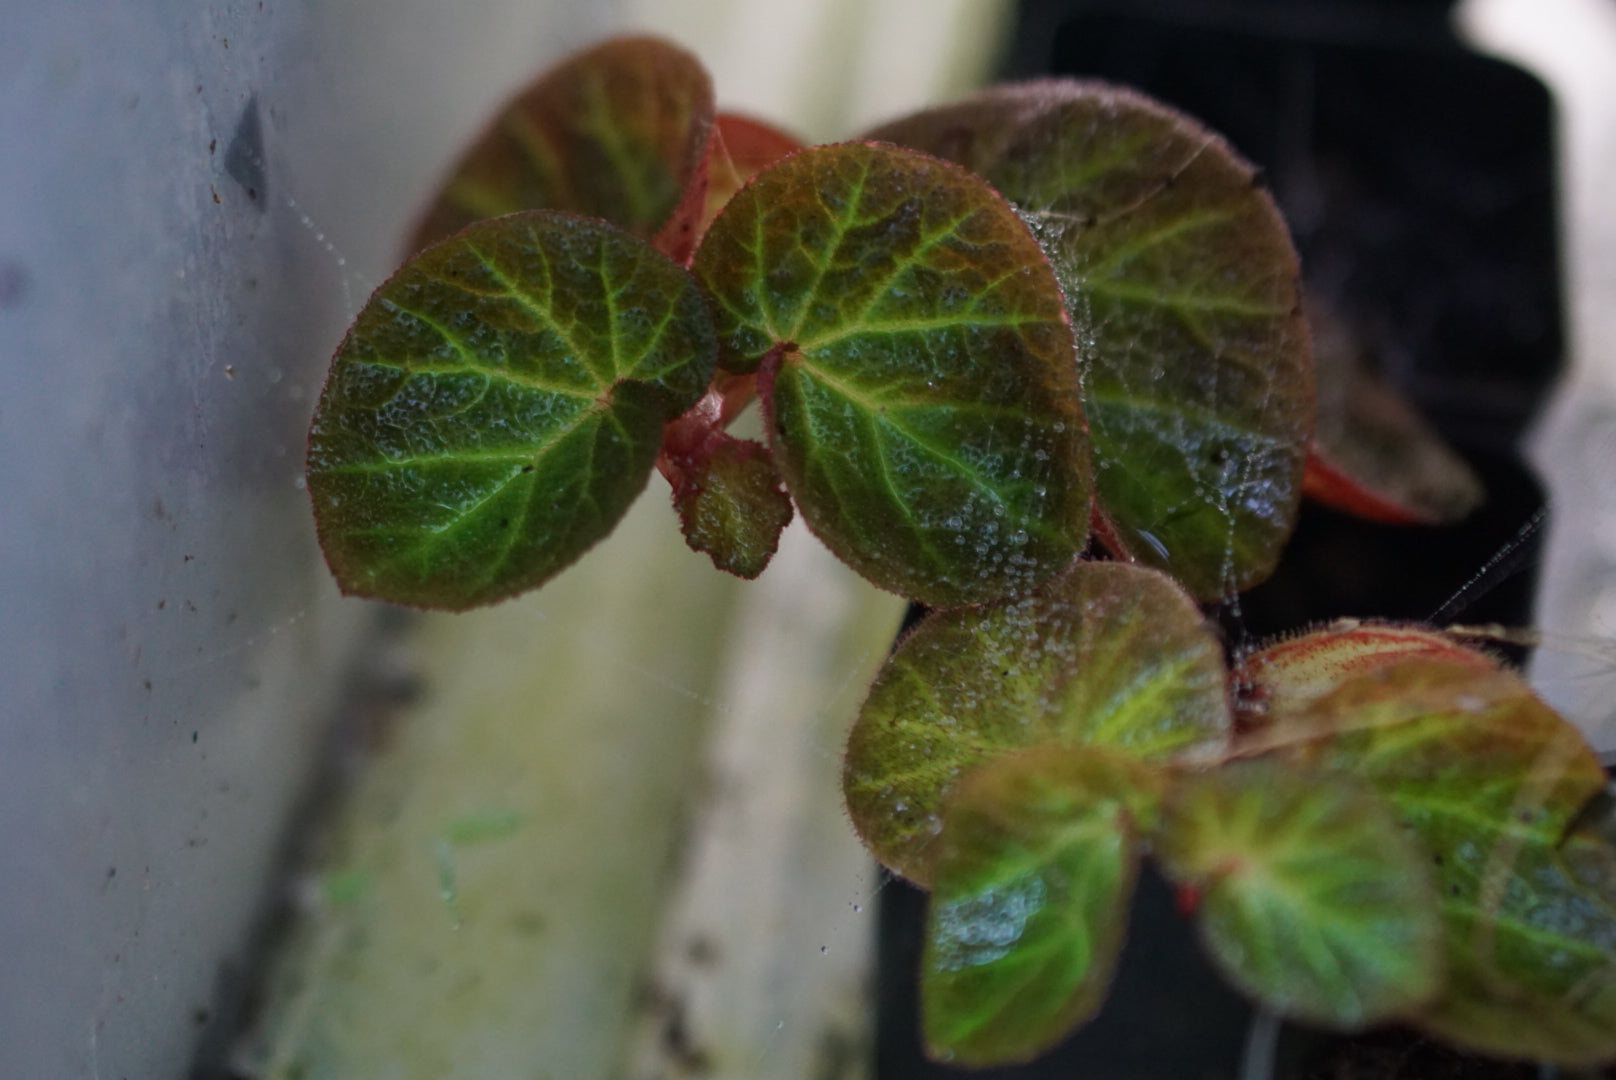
{"x": 169, "y": 644}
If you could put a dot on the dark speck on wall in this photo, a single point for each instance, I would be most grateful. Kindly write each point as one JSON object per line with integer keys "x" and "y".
{"x": 244, "y": 157}
{"x": 14, "y": 283}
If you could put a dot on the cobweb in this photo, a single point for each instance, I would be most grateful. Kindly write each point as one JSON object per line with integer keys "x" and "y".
{"x": 749, "y": 955}
{"x": 749, "y": 951}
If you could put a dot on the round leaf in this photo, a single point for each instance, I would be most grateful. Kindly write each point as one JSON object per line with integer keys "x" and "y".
{"x": 1313, "y": 900}
{"x": 1182, "y": 286}
{"x": 1107, "y": 655}
{"x": 1492, "y": 782}
{"x": 497, "y": 405}
{"x": 618, "y": 132}
{"x": 1036, "y": 862}
{"x": 920, "y": 396}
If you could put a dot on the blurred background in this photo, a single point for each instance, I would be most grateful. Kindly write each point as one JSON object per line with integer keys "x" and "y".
{"x": 249, "y": 828}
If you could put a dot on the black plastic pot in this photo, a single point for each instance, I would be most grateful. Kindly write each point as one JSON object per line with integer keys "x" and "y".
{"x": 1418, "y": 178}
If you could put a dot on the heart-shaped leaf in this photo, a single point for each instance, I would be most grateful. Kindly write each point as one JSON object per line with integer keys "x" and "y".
{"x": 1035, "y": 865}
{"x": 618, "y": 131}
{"x": 921, "y": 401}
{"x": 1491, "y": 781}
{"x": 1107, "y": 655}
{"x": 1182, "y": 286}
{"x": 1313, "y": 900}
{"x": 497, "y": 405}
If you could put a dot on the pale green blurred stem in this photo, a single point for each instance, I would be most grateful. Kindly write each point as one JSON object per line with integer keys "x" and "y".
{"x": 762, "y": 967}
{"x": 493, "y": 883}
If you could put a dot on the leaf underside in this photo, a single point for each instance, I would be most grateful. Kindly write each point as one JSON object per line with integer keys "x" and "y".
{"x": 1491, "y": 781}
{"x": 1372, "y": 454}
{"x": 497, "y": 406}
{"x": 1182, "y": 285}
{"x": 1312, "y": 898}
{"x": 618, "y": 132}
{"x": 1036, "y": 863}
{"x": 1108, "y": 655}
{"x": 919, "y": 395}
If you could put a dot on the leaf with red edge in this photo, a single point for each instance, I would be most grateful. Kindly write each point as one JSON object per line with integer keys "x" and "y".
{"x": 1282, "y": 677}
{"x": 1036, "y": 863}
{"x": 1107, "y": 655}
{"x": 1182, "y": 285}
{"x": 914, "y": 365}
{"x": 1492, "y": 782}
{"x": 497, "y": 406}
{"x": 1372, "y": 455}
{"x": 618, "y": 131}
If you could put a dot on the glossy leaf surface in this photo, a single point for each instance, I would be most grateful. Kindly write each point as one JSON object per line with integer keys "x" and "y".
{"x": 919, "y": 395}
{"x": 1107, "y": 655}
{"x": 497, "y": 405}
{"x": 618, "y": 132}
{"x": 1313, "y": 900}
{"x": 1490, "y": 780}
{"x": 1182, "y": 286}
{"x": 1036, "y": 862}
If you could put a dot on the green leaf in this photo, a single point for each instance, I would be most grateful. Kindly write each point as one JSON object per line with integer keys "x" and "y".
{"x": 1182, "y": 286}
{"x": 1313, "y": 899}
{"x": 1107, "y": 655}
{"x": 1492, "y": 781}
{"x": 618, "y": 131}
{"x": 920, "y": 397}
{"x": 497, "y": 405}
{"x": 1036, "y": 862}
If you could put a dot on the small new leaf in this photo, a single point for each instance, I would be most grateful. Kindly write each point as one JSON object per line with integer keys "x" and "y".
{"x": 497, "y": 406}
{"x": 1107, "y": 655}
{"x": 920, "y": 397}
{"x": 1182, "y": 285}
{"x": 731, "y": 505}
{"x": 1313, "y": 900}
{"x": 1036, "y": 862}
